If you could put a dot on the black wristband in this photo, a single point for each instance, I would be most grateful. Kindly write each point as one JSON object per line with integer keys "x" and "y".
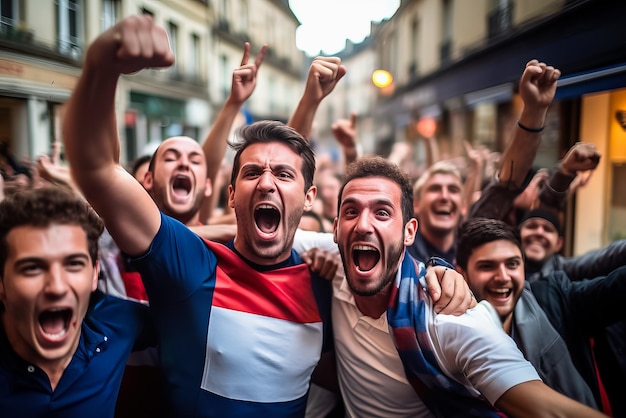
{"x": 438, "y": 261}
{"x": 527, "y": 129}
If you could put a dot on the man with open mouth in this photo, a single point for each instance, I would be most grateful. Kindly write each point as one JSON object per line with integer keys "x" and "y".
{"x": 551, "y": 319}
{"x": 395, "y": 357}
{"x": 62, "y": 343}
{"x": 241, "y": 326}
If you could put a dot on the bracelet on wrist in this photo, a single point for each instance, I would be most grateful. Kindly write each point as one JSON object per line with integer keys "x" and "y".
{"x": 527, "y": 129}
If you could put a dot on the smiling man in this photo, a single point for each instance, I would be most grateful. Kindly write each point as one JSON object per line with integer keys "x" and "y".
{"x": 395, "y": 357}
{"x": 551, "y": 319}
{"x": 439, "y": 207}
{"x": 62, "y": 346}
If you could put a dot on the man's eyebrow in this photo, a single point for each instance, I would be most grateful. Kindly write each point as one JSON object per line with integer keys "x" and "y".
{"x": 379, "y": 202}
{"x": 33, "y": 259}
{"x": 274, "y": 167}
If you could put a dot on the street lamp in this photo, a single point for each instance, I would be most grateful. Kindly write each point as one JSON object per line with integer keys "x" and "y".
{"x": 382, "y": 78}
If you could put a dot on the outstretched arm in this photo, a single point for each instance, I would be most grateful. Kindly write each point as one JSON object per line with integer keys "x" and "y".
{"x": 324, "y": 74}
{"x": 581, "y": 157}
{"x": 344, "y": 131}
{"x": 537, "y": 88}
{"x": 214, "y": 145}
{"x": 90, "y": 131}
{"x": 534, "y": 399}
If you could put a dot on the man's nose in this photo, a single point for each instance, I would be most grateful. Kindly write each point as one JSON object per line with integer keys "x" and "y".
{"x": 266, "y": 181}
{"x": 55, "y": 281}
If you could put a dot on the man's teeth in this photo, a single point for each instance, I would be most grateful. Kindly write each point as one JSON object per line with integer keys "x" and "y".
{"x": 364, "y": 248}
{"x": 266, "y": 207}
{"x": 56, "y": 336}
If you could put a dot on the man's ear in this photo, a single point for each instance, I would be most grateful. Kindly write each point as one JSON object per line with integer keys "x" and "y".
{"x": 209, "y": 188}
{"x": 410, "y": 229}
{"x": 96, "y": 274}
{"x": 309, "y": 198}
{"x": 148, "y": 180}
{"x": 559, "y": 244}
{"x": 231, "y": 196}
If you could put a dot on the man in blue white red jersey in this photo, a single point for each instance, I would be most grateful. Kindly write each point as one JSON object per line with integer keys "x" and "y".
{"x": 241, "y": 327}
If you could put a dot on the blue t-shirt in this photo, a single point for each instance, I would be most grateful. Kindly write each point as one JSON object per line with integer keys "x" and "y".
{"x": 90, "y": 383}
{"x": 235, "y": 339}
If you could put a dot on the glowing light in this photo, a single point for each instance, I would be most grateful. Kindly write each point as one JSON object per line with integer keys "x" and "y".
{"x": 382, "y": 78}
{"x": 426, "y": 127}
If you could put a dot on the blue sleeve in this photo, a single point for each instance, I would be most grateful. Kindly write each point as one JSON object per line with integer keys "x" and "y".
{"x": 177, "y": 263}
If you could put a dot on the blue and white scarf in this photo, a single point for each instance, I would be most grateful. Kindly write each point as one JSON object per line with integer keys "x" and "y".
{"x": 407, "y": 319}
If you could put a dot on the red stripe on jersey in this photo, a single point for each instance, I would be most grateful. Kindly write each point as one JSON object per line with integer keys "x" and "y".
{"x": 282, "y": 293}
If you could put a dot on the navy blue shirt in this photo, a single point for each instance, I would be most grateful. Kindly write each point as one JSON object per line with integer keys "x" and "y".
{"x": 422, "y": 250}
{"x": 90, "y": 383}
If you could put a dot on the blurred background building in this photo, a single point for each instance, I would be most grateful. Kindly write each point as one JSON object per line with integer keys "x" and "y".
{"x": 42, "y": 45}
{"x": 455, "y": 65}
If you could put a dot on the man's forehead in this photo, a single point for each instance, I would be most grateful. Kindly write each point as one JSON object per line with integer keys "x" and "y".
{"x": 537, "y": 220}
{"x": 488, "y": 251}
{"x": 373, "y": 187}
{"x": 180, "y": 144}
{"x": 443, "y": 178}
{"x": 270, "y": 153}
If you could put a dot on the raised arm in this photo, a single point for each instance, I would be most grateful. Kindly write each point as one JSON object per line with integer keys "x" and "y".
{"x": 537, "y": 88}
{"x": 475, "y": 172}
{"x": 90, "y": 131}
{"x": 344, "y": 131}
{"x": 581, "y": 157}
{"x": 324, "y": 74}
{"x": 214, "y": 145}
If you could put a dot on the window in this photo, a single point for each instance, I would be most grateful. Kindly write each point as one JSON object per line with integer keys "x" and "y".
{"x": 415, "y": 41}
{"x": 172, "y": 31}
{"x": 223, "y": 10}
{"x": 110, "y": 13}
{"x": 243, "y": 17}
{"x": 501, "y": 17}
{"x": 194, "y": 56}
{"x": 9, "y": 10}
{"x": 447, "y": 31}
{"x": 70, "y": 27}
{"x": 145, "y": 11}
{"x": 226, "y": 76}
{"x": 272, "y": 95}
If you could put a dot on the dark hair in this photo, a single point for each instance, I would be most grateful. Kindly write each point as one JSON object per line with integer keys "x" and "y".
{"x": 139, "y": 162}
{"x": 43, "y": 207}
{"x": 273, "y": 131}
{"x": 316, "y": 217}
{"x": 376, "y": 166}
{"x": 543, "y": 213}
{"x": 478, "y": 231}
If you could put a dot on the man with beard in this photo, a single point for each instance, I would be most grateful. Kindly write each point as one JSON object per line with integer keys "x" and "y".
{"x": 241, "y": 326}
{"x": 395, "y": 357}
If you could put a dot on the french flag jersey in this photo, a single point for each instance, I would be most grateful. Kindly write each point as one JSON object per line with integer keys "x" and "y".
{"x": 236, "y": 339}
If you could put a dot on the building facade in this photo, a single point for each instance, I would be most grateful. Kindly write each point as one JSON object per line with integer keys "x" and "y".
{"x": 458, "y": 63}
{"x": 42, "y": 45}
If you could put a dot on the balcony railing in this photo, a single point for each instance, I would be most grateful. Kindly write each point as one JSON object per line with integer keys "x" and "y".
{"x": 500, "y": 20}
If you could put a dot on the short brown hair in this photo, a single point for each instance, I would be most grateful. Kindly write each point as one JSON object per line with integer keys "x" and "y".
{"x": 44, "y": 207}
